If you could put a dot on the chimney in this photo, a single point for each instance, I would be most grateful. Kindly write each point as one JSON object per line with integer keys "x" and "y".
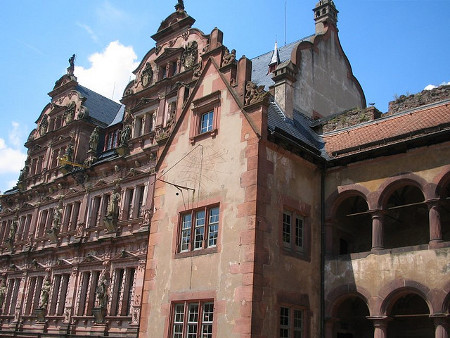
{"x": 284, "y": 77}
{"x": 325, "y": 14}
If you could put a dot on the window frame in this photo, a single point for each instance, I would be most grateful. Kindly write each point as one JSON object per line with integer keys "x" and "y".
{"x": 204, "y": 226}
{"x": 184, "y": 321}
{"x": 209, "y": 104}
{"x": 290, "y": 326}
{"x": 298, "y": 211}
{"x": 291, "y": 244}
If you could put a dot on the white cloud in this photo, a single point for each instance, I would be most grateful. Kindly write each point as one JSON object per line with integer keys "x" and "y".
{"x": 12, "y": 157}
{"x": 430, "y": 86}
{"x": 88, "y": 30}
{"x": 110, "y": 70}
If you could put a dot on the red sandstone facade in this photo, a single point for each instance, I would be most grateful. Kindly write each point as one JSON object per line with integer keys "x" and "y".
{"x": 231, "y": 198}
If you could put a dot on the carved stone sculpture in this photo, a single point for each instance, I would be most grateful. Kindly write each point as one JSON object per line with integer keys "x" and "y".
{"x": 228, "y": 57}
{"x": 69, "y": 114}
{"x": 147, "y": 75}
{"x": 2, "y": 293}
{"x": 253, "y": 93}
{"x": 71, "y": 67}
{"x": 56, "y": 221}
{"x": 125, "y": 136}
{"x": 45, "y": 291}
{"x": 189, "y": 56}
{"x": 43, "y": 126}
{"x": 112, "y": 212}
{"x": 93, "y": 140}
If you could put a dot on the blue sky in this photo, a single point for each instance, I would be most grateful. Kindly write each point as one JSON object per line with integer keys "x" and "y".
{"x": 394, "y": 47}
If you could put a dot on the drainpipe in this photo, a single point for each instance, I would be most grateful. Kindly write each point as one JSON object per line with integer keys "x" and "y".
{"x": 322, "y": 250}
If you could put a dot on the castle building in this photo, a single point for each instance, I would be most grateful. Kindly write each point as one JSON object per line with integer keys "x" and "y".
{"x": 231, "y": 197}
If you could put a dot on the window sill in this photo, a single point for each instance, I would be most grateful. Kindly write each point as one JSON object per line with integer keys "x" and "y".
{"x": 199, "y": 137}
{"x": 296, "y": 253}
{"x": 194, "y": 253}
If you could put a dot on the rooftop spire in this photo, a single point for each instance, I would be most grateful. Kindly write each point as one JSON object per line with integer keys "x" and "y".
{"x": 275, "y": 61}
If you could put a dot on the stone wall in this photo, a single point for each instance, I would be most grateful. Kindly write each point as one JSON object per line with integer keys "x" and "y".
{"x": 416, "y": 100}
{"x": 350, "y": 118}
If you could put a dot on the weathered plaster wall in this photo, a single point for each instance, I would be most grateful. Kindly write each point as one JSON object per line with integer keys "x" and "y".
{"x": 289, "y": 183}
{"x": 325, "y": 83}
{"x": 217, "y": 168}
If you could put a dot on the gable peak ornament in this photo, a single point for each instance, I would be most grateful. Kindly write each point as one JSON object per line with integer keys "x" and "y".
{"x": 189, "y": 56}
{"x": 180, "y": 6}
{"x": 71, "y": 67}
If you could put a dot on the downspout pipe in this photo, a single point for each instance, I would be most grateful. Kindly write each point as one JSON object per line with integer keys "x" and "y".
{"x": 322, "y": 250}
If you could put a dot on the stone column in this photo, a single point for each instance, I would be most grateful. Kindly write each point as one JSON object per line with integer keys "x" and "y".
{"x": 329, "y": 326}
{"x": 435, "y": 222}
{"x": 380, "y": 326}
{"x": 441, "y": 324}
{"x": 377, "y": 231}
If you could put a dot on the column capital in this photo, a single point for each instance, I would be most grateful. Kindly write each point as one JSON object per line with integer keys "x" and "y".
{"x": 379, "y": 321}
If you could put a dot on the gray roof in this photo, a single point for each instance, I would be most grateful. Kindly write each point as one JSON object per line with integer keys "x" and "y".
{"x": 119, "y": 116}
{"x": 299, "y": 127}
{"x": 101, "y": 109}
{"x": 260, "y": 64}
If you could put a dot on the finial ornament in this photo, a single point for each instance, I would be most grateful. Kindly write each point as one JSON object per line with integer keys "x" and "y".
{"x": 71, "y": 67}
{"x": 180, "y": 5}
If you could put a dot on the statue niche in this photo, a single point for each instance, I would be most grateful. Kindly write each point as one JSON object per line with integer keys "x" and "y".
{"x": 112, "y": 212}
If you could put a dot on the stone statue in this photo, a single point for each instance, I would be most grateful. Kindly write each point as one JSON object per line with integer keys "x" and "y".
{"x": 57, "y": 217}
{"x": 147, "y": 75}
{"x": 180, "y": 5}
{"x": 125, "y": 136}
{"x": 112, "y": 212}
{"x": 228, "y": 57}
{"x": 43, "y": 126}
{"x": 113, "y": 206}
{"x": 45, "y": 291}
{"x": 68, "y": 156}
{"x": 13, "y": 230}
{"x": 102, "y": 291}
{"x": 69, "y": 114}
{"x": 253, "y": 93}
{"x": 71, "y": 67}
{"x": 93, "y": 140}
{"x": 2, "y": 293}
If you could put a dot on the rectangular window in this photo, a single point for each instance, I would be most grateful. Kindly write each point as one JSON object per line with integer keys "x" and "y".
{"x": 74, "y": 217}
{"x": 206, "y": 122}
{"x": 123, "y": 292}
{"x": 291, "y": 323}
{"x": 199, "y": 229}
{"x": 192, "y": 319}
{"x": 292, "y": 231}
{"x": 86, "y": 298}
{"x": 129, "y": 203}
{"x": 140, "y": 200}
{"x": 95, "y": 208}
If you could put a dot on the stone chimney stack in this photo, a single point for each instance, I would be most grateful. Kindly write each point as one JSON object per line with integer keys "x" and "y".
{"x": 325, "y": 14}
{"x": 284, "y": 77}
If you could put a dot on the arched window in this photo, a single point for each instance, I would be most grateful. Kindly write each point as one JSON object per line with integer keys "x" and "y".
{"x": 353, "y": 226}
{"x": 406, "y": 218}
{"x": 352, "y": 319}
{"x": 410, "y": 318}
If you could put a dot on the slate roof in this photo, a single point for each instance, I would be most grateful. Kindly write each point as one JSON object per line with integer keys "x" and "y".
{"x": 299, "y": 127}
{"x": 119, "y": 116}
{"x": 407, "y": 125}
{"x": 260, "y": 64}
{"x": 101, "y": 109}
